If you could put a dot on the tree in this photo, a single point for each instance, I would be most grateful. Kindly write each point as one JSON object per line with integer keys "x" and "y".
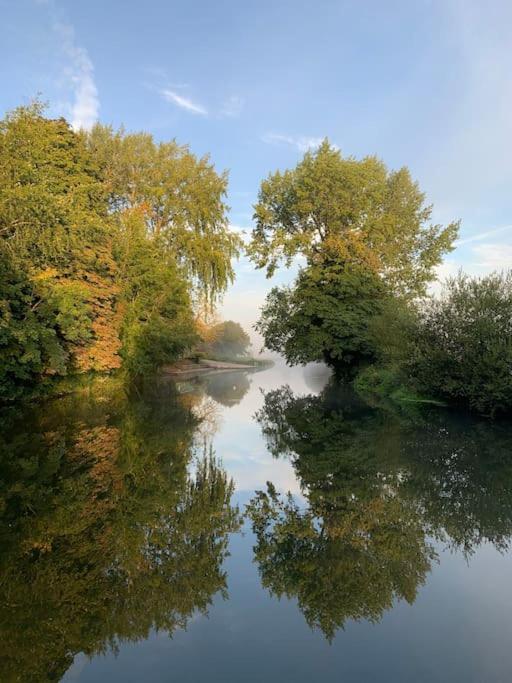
{"x": 106, "y": 242}
{"x": 181, "y": 200}
{"x": 365, "y": 236}
{"x": 325, "y": 315}
{"x": 57, "y": 274}
{"x": 463, "y": 344}
{"x": 229, "y": 339}
{"x": 349, "y": 206}
{"x": 158, "y": 323}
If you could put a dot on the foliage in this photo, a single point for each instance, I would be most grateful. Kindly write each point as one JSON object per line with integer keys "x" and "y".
{"x": 52, "y": 195}
{"x": 158, "y": 324}
{"x": 105, "y": 241}
{"x": 365, "y": 235}
{"x": 350, "y": 206}
{"x": 55, "y": 239}
{"x": 181, "y": 200}
{"x": 463, "y": 344}
{"x": 229, "y": 339}
{"x": 29, "y": 343}
{"x": 325, "y": 315}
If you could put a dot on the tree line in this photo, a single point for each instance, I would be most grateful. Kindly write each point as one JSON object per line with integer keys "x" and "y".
{"x": 111, "y": 243}
{"x": 360, "y": 303}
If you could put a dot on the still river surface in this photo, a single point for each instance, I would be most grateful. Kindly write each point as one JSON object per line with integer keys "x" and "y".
{"x": 245, "y": 527}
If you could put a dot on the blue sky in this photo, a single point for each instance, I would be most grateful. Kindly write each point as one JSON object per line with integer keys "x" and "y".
{"x": 422, "y": 83}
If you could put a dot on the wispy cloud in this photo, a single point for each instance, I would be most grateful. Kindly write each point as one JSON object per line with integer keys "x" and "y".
{"x": 483, "y": 235}
{"x": 80, "y": 73}
{"x": 183, "y": 102}
{"x": 302, "y": 143}
{"x": 232, "y": 107}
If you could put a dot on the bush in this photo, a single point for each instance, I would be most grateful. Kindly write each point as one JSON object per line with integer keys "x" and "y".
{"x": 463, "y": 345}
{"x": 29, "y": 344}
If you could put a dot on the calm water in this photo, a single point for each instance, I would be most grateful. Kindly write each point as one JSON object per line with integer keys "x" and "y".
{"x": 152, "y": 538}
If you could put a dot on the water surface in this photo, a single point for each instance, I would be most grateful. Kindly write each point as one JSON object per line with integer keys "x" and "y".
{"x": 261, "y": 526}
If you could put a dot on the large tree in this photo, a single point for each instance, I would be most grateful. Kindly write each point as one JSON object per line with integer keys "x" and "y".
{"x": 105, "y": 240}
{"x": 180, "y": 197}
{"x": 365, "y": 235}
{"x": 358, "y": 207}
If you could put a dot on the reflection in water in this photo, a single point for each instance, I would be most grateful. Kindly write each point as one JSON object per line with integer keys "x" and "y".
{"x": 228, "y": 388}
{"x": 104, "y": 533}
{"x": 115, "y": 519}
{"x": 379, "y": 489}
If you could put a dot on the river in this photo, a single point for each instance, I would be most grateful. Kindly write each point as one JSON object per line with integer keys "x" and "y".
{"x": 252, "y": 526}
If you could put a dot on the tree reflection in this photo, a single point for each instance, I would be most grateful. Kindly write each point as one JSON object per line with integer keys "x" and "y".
{"x": 379, "y": 489}
{"x": 227, "y": 388}
{"x": 104, "y": 533}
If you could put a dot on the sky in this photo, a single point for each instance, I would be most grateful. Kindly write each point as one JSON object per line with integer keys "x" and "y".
{"x": 421, "y": 83}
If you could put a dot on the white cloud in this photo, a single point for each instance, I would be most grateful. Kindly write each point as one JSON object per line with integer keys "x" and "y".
{"x": 80, "y": 73}
{"x": 232, "y": 107}
{"x": 302, "y": 143}
{"x": 494, "y": 256}
{"x": 183, "y": 102}
{"x": 485, "y": 258}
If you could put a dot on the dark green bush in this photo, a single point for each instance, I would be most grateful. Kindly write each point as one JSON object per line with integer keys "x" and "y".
{"x": 463, "y": 345}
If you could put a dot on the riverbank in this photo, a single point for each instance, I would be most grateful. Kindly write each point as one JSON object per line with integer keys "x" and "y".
{"x": 201, "y": 366}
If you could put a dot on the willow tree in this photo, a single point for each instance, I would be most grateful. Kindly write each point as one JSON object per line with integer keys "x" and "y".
{"x": 106, "y": 239}
{"x": 181, "y": 199}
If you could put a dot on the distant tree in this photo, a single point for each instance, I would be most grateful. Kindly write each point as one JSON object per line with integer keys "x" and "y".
{"x": 230, "y": 339}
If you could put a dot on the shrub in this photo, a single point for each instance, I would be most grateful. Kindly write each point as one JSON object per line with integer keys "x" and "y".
{"x": 463, "y": 345}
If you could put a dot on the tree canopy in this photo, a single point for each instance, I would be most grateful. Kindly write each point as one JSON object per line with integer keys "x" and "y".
{"x": 107, "y": 240}
{"x": 325, "y": 315}
{"x": 358, "y": 208}
{"x": 180, "y": 199}
{"x": 228, "y": 338}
